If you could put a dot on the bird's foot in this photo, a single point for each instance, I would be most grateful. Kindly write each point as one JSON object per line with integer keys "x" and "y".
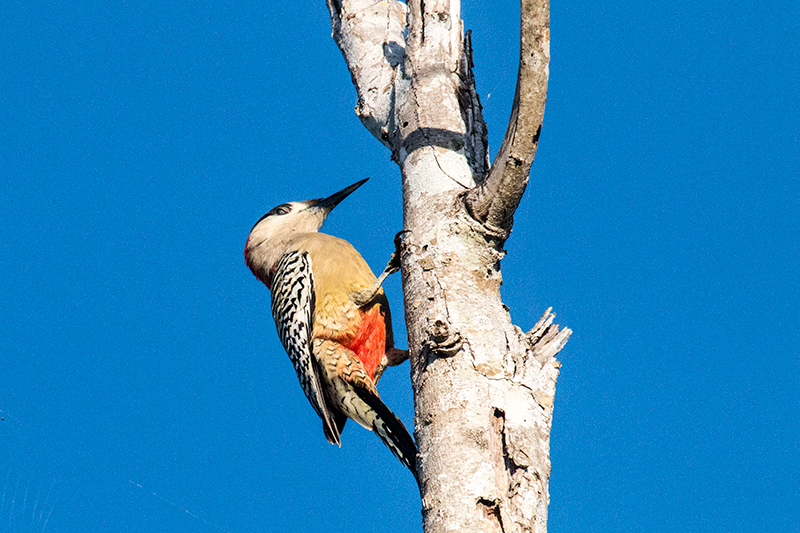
{"x": 364, "y": 296}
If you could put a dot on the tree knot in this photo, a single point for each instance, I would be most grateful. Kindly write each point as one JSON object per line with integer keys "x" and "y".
{"x": 442, "y": 341}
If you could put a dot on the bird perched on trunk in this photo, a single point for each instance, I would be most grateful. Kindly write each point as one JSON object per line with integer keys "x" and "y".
{"x": 332, "y": 318}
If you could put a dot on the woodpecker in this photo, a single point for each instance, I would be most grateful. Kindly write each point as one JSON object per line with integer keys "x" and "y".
{"x": 332, "y": 317}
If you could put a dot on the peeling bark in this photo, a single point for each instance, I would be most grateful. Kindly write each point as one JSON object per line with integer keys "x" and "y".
{"x": 483, "y": 389}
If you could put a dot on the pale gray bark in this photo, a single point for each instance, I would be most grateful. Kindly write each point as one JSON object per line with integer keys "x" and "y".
{"x": 483, "y": 389}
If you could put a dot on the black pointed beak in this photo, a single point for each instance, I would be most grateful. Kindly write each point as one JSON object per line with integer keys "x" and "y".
{"x": 327, "y": 204}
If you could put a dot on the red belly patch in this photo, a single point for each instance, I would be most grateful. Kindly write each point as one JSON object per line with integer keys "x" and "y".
{"x": 370, "y": 342}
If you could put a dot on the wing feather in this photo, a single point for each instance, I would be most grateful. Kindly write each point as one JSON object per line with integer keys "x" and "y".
{"x": 293, "y": 310}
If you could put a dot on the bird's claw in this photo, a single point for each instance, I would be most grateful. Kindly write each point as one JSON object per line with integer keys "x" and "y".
{"x": 394, "y": 260}
{"x": 364, "y": 296}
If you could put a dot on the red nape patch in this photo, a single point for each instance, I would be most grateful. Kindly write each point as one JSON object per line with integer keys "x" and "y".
{"x": 370, "y": 343}
{"x": 245, "y": 251}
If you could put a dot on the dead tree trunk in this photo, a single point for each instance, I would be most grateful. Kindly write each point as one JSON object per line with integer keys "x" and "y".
{"x": 483, "y": 388}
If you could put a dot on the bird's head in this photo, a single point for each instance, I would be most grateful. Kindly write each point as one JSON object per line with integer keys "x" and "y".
{"x": 268, "y": 238}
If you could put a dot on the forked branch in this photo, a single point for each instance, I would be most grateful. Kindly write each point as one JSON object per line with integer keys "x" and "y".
{"x": 494, "y": 200}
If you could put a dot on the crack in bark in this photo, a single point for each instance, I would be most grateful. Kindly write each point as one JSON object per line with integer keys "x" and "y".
{"x": 491, "y": 509}
{"x": 422, "y": 21}
{"x": 499, "y": 425}
{"x": 438, "y": 164}
{"x": 511, "y": 465}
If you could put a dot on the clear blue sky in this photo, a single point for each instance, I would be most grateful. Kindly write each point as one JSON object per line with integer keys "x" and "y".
{"x": 142, "y": 384}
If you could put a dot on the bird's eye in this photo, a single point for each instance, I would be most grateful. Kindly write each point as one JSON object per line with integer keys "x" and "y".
{"x": 283, "y": 209}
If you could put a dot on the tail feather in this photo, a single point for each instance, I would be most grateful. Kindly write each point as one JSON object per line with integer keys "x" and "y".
{"x": 391, "y": 430}
{"x": 339, "y": 420}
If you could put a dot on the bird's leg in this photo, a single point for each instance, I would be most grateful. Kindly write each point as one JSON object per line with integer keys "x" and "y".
{"x": 364, "y": 296}
{"x": 395, "y": 357}
{"x": 392, "y": 357}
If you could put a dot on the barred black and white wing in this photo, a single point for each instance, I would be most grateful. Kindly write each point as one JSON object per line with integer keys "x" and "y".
{"x": 293, "y": 310}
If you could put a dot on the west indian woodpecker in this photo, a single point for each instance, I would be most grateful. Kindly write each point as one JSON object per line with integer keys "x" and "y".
{"x": 332, "y": 318}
